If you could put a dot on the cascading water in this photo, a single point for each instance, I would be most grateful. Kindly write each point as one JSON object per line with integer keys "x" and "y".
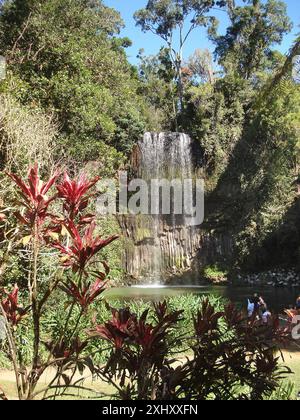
{"x": 162, "y": 243}
{"x": 152, "y": 166}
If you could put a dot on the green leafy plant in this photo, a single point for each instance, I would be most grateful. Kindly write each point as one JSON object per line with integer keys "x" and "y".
{"x": 215, "y": 274}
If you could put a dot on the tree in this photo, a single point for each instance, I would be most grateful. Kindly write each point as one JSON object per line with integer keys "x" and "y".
{"x": 201, "y": 65}
{"x": 167, "y": 18}
{"x": 254, "y": 29}
{"x": 291, "y": 64}
{"x": 158, "y": 88}
{"x": 67, "y": 59}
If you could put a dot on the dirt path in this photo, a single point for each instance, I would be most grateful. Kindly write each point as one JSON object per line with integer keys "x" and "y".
{"x": 9, "y": 376}
{"x": 8, "y": 382}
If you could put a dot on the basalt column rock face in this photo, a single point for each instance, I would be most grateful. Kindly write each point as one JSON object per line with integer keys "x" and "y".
{"x": 160, "y": 245}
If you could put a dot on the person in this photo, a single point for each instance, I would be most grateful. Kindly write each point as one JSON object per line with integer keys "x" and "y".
{"x": 298, "y": 304}
{"x": 256, "y": 301}
{"x": 255, "y": 304}
{"x": 250, "y": 308}
{"x": 261, "y": 302}
{"x": 266, "y": 315}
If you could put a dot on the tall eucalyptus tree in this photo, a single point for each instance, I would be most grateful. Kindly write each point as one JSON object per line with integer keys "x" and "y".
{"x": 174, "y": 21}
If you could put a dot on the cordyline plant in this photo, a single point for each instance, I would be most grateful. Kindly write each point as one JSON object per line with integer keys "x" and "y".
{"x": 228, "y": 358}
{"x": 73, "y": 233}
{"x": 14, "y": 313}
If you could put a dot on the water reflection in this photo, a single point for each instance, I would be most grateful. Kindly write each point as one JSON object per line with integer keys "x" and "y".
{"x": 276, "y": 298}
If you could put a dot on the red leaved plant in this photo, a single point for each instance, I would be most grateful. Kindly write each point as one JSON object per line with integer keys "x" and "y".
{"x": 74, "y": 194}
{"x": 82, "y": 249}
{"x": 78, "y": 249}
{"x": 225, "y": 360}
{"x": 34, "y": 196}
{"x": 63, "y": 350}
{"x": 117, "y": 330}
{"x": 10, "y": 304}
{"x": 126, "y": 328}
{"x": 85, "y": 294}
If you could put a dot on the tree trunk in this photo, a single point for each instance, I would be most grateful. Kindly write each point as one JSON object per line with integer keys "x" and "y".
{"x": 180, "y": 89}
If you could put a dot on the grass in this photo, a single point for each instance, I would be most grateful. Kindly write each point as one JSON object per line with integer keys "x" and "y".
{"x": 9, "y": 388}
{"x": 100, "y": 389}
{"x": 292, "y": 360}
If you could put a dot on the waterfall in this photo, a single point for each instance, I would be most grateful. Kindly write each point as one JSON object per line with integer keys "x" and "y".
{"x": 162, "y": 249}
{"x": 162, "y": 243}
{"x": 152, "y": 166}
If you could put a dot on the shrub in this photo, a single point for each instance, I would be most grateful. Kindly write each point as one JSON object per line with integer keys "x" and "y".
{"x": 231, "y": 358}
{"x": 215, "y": 274}
{"x": 26, "y": 135}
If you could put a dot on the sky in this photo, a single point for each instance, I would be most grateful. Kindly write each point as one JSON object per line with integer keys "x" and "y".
{"x": 151, "y": 43}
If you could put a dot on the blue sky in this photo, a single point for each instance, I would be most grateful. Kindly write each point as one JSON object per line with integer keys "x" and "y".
{"x": 151, "y": 44}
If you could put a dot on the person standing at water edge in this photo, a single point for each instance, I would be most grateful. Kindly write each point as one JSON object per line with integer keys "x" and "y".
{"x": 250, "y": 308}
{"x": 266, "y": 315}
{"x": 257, "y": 301}
{"x": 255, "y": 304}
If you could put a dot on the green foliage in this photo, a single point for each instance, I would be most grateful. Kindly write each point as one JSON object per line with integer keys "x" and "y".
{"x": 4, "y": 361}
{"x": 254, "y": 29}
{"x": 174, "y": 21}
{"x": 164, "y": 16}
{"x": 54, "y": 322}
{"x": 157, "y": 86}
{"x": 284, "y": 393}
{"x": 215, "y": 117}
{"x": 252, "y": 161}
{"x": 215, "y": 273}
{"x": 110, "y": 226}
{"x": 26, "y": 135}
{"x": 69, "y": 63}
{"x": 268, "y": 185}
{"x": 70, "y": 95}
{"x": 15, "y": 270}
{"x": 247, "y": 123}
{"x": 66, "y": 60}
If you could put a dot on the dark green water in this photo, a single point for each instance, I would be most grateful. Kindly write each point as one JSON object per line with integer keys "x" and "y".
{"x": 277, "y": 299}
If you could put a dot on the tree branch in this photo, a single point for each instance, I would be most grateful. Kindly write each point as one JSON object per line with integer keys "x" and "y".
{"x": 21, "y": 34}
